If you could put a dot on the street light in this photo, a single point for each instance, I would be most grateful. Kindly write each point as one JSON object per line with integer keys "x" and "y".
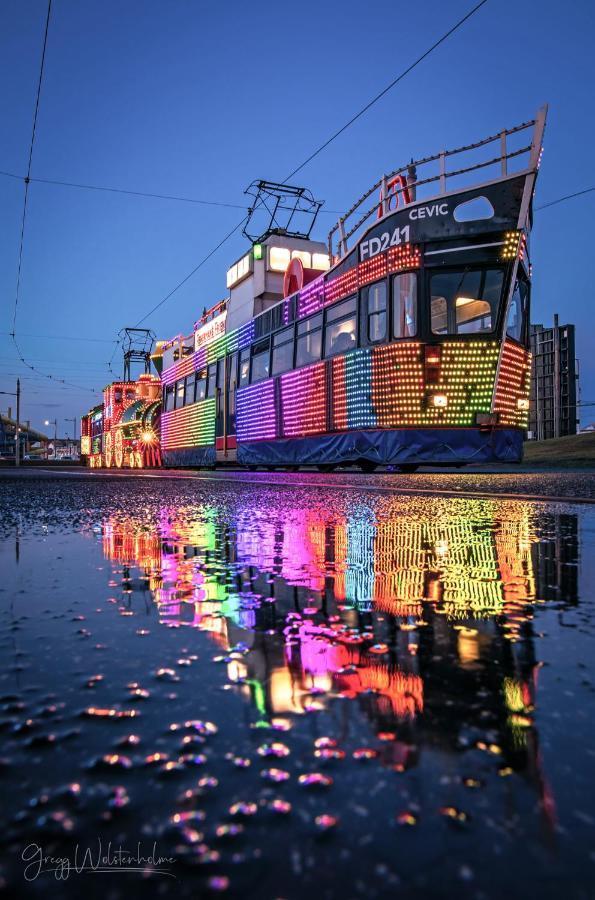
{"x": 54, "y": 422}
{"x": 73, "y": 420}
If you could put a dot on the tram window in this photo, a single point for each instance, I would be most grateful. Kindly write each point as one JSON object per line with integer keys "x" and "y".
{"x": 405, "y": 305}
{"x": 211, "y": 379}
{"x": 345, "y": 308}
{"x": 189, "y": 398}
{"x": 244, "y": 367}
{"x": 169, "y": 398}
{"x": 309, "y": 341}
{"x": 311, "y": 324}
{"x": 340, "y": 334}
{"x": 201, "y": 385}
{"x": 260, "y": 360}
{"x": 516, "y": 311}
{"x": 282, "y": 351}
{"x": 465, "y": 302}
{"x": 376, "y": 312}
{"x": 179, "y": 393}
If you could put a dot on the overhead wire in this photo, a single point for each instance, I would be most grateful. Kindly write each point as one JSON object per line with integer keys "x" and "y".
{"x": 567, "y": 197}
{"x": 30, "y": 161}
{"x": 113, "y": 190}
{"x": 323, "y": 146}
{"x": 27, "y": 181}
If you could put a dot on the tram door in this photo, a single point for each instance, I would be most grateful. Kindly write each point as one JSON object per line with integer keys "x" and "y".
{"x": 226, "y": 408}
{"x": 232, "y": 383}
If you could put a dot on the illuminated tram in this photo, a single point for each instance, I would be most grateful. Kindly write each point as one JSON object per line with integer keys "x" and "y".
{"x": 402, "y": 341}
{"x": 123, "y": 431}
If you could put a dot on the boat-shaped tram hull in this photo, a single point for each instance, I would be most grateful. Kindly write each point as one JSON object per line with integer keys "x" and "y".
{"x": 406, "y": 344}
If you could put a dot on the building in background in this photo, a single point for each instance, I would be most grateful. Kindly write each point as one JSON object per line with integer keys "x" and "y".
{"x": 32, "y": 442}
{"x": 554, "y": 382}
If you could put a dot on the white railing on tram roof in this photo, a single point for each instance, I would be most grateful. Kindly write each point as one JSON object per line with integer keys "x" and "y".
{"x": 527, "y": 155}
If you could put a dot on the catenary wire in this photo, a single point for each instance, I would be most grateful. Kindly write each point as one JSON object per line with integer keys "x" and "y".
{"x": 374, "y": 100}
{"x": 113, "y": 190}
{"x": 28, "y": 176}
{"x": 567, "y": 197}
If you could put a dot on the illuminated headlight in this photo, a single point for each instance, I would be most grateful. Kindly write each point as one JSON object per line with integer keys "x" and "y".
{"x": 440, "y": 401}
{"x": 522, "y": 403}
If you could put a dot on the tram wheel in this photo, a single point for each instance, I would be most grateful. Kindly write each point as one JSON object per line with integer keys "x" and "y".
{"x": 408, "y": 468}
{"x": 367, "y": 466}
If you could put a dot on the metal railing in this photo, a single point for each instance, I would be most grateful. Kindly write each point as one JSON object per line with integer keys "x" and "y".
{"x": 407, "y": 177}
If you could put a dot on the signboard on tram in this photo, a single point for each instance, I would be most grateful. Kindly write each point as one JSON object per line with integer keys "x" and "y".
{"x": 447, "y": 217}
{"x": 210, "y": 331}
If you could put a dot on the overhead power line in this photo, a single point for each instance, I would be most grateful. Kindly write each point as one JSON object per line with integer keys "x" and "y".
{"x": 62, "y": 337}
{"x": 193, "y": 272}
{"x": 322, "y": 147}
{"x": 148, "y": 194}
{"x": 27, "y": 181}
{"x": 389, "y": 87}
{"x": 28, "y": 176}
{"x": 113, "y": 190}
{"x": 567, "y": 197}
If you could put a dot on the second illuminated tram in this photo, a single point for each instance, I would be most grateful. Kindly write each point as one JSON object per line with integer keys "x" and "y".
{"x": 402, "y": 341}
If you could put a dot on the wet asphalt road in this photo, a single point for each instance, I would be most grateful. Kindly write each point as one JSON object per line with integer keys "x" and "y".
{"x": 298, "y": 685}
{"x": 521, "y": 481}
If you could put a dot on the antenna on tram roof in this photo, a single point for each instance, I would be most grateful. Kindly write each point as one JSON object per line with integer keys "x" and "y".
{"x": 137, "y": 344}
{"x": 283, "y": 208}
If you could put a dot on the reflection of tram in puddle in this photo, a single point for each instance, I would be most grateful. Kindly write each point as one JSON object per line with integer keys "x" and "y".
{"x": 421, "y": 614}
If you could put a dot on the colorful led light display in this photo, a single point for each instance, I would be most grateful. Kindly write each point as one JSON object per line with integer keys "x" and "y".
{"x": 389, "y": 386}
{"x": 303, "y": 406}
{"x": 256, "y": 414}
{"x": 464, "y": 383}
{"x": 191, "y": 426}
{"x": 352, "y": 391}
{"x": 513, "y": 385}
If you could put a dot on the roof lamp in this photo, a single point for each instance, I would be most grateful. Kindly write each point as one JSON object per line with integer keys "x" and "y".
{"x": 304, "y": 256}
{"x": 279, "y": 258}
{"x": 321, "y": 261}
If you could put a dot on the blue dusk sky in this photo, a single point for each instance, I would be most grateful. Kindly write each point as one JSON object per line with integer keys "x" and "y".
{"x": 197, "y": 99}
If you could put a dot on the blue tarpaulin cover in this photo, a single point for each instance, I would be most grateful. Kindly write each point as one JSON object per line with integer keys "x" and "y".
{"x": 399, "y": 446}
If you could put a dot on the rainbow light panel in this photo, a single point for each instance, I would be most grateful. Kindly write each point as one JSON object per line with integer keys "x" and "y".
{"x": 311, "y": 298}
{"x": 255, "y": 415}
{"x": 191, "y": 426}
{"x": 513, "y": 385}
{"x": 320, "y": 293}
{"x": 402, "y": 395}
{"x": 303, "y": 406}
{"x": 352, "y": 391}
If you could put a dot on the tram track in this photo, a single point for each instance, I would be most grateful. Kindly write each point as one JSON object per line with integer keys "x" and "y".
{"x": 289, "y": 482}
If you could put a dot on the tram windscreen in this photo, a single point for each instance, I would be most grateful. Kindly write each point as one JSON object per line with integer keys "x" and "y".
{"x": 465, "y": 301}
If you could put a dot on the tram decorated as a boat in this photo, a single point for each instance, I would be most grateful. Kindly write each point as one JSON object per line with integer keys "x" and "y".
{"x": 403, "y": 340}
{"x": 123, "y": 431}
